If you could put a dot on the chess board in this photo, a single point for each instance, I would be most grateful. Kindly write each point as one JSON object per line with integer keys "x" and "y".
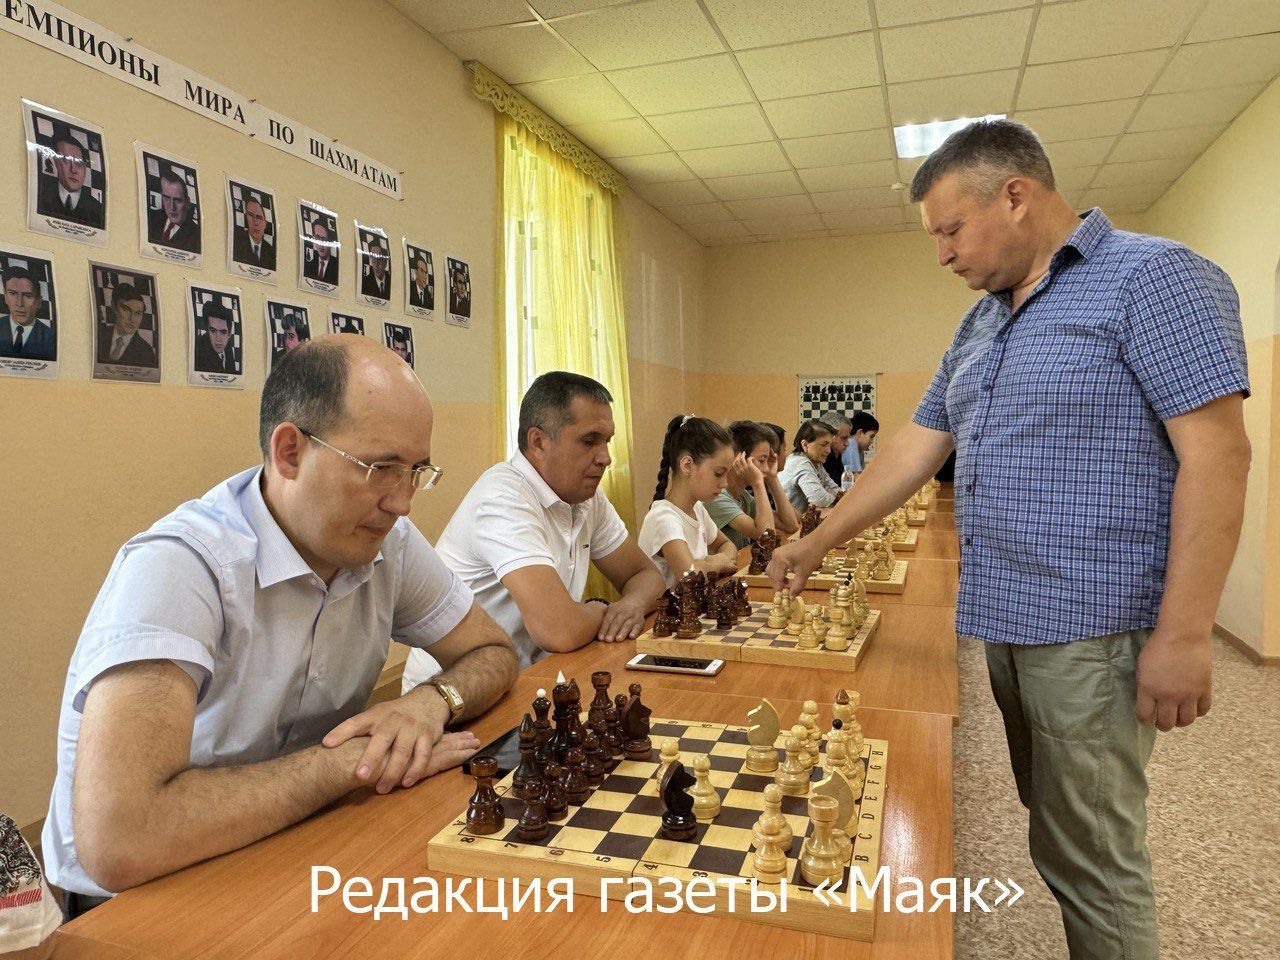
{"x": 906, "y": 546}
{"x": 819, "y": 581}
{"x": 923, "y": 519}
{"x": 754, "y": 641}
{"x": 615, "y": 833}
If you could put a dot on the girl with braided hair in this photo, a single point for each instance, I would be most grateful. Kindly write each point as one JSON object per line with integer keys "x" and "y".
{"x": 678, "y": 534}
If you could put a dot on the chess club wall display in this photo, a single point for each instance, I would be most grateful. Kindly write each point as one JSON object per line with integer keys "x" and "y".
{"x": 847, "y": 394}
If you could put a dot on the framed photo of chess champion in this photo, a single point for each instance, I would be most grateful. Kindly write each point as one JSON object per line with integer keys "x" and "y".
{"x": 126, "y": 324}
{"x": 66, "y": 176}
{"x": 288, "y": 324}
{"x": 251, "y": 231}
{"x": 345, "y": 323}
{"x": 215, "y": 331}
{"x": 28, "y": 314}
{"x": 373, "y": 263}
{"x": 399, "y": 338}
{"x": 419, "y": 281}
{"x": 319, "y": 249}
{"x": 458, "y": 280}
{"x": 169, "y": 212}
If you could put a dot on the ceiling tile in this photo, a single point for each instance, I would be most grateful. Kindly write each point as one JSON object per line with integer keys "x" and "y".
{"x": 698, "y": 213}
{"x": 640, "y": 33}
{"x": 1073, "y": 178}
{"x": 973, "y": 45}
{"x": 771, "y": 206}
{"x": 1235, "y": 18}
{"x": 737, "y": 160}
{"x": 560, "y": 8}
{"x": 686, "y": 85}
{"x": 814, "y": 66}
{"x": 755, "y": 185}
{"x": 1112, "y": 27}
{"x": 820, "y": 113}
{"x": 973, "y": 96}
{"x": 864, "y": 198}
{"x": 750, "y": 23}
{"x": 1221, "y": 63}
{"x": 793, "y": 235}
{"x": 846, "y": 219}
{"x": 710, "y": 232}
{"x": 907, "y": 168}
{"x": 1201, "y": 107}
{"x": 837, "y": 148}
{"x": 1159, "y": 144}
{"x": 717, "y": 127}
{"x": 1078, "y": 153}
{"x": 653, "y": 167}
{"x": 674, "y": 193}
{"x": 441, "y": 16}
{"x": 1078, "y": 121}
{"x": 849, "y": 176}
{"x": 1139, "y": 172}
{"x": 520, "y": 53}
{"x": 585, "y": 99}
{"x": 894, "y": 13}
{"x": 1086, "y": 81}
{"x": 807, "y": 221}
{"x": 619, "y": 138}
{"x": 1146, "y": 193}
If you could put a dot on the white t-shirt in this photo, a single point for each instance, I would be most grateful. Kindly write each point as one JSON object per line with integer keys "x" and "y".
{"x": 666, "y": 522}
{"x": 511, "y": 518}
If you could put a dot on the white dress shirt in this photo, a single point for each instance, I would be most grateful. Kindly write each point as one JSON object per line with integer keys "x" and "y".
{"x": 511, "y": 518}
{"x": 278, "y": 658}
{"x": 666, "y": 522}
{"x": 68, "y": 198}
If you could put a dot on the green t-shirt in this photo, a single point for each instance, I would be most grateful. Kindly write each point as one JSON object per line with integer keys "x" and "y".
{"x": 725, "y": 508}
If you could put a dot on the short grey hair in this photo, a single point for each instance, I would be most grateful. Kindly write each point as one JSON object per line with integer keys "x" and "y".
{"x": 985, "y": 154}
{"x": 307, "y": 388}
{"x": 547, "y": 401}
{"x": 835, "y": 420}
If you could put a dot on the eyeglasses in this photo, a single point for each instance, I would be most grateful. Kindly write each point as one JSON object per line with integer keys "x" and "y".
{"x": 386, "y": 475}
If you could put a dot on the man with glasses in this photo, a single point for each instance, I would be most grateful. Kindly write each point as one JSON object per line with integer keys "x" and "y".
{"x": 524, "y": 537}
{"x": 218, "y": 690}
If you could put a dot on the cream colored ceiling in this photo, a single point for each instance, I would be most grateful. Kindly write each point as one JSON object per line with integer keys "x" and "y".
{"x": 752, "y": 120}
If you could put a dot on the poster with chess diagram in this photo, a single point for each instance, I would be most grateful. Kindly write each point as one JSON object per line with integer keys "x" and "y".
{"x": 399, "y": 338}
{"x": 458, "y": 283}
{"x": 170, "y": 216}
{"x": 125, "y": 306}
{"x": 66, "y": 176}
{"x": 845, "y": 394}
{"x": 340, "y": 322}
{"x": 28, "y": 314}
{"x": 252, "y": 232}
{"x": 319, "y": 249}
{"x": 373, "y": 266}
{"x": 419, "y": 280}
{"x": 215, "y": 331}
{"x": 288, "y": 326}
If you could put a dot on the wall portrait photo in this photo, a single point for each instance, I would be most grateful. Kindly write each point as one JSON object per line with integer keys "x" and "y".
{"x": 169, "y": 212}
{"x": 126, "y": 327}
{"x": 458, "y": 280}
{"x": 66, "y": 176}
{"x": 319, "y": 249}
{"x": 28, "y": 314}
{"x": 399, "y": 338}
{"x": 373, "y": 273}
{"x": 420, "y": 281}
{"x": 215, "y": 329}
{"x": 251, "y": 231}
{"x": 288, "y": 324}
{"x": 345, "y": 323}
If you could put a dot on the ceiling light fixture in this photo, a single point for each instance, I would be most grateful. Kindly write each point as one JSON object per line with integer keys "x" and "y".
{"x": 921, "y": 139}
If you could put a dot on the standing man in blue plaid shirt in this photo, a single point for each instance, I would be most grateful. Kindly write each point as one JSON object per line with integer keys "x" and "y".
{"x": 1094, "y": 398}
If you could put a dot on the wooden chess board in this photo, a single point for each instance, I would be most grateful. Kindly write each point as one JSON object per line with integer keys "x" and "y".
{"x": 924, "y": 517}
{"x": 819, "y": 581}
{"x": 754, "y": 641}
{"x": 615, "y": 833}
{"x": 906, "y": 546}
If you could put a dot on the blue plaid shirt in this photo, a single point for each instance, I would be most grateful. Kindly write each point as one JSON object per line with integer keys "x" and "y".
{"x": 1064, "y": 470}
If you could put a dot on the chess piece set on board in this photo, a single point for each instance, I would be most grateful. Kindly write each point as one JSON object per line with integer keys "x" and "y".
{"x": 613, "y": 792}
{"x": 816, "y": 627}
{"x": 696, "y": 597}
{"x": 893, "y": 528}
{"x": 875, "y": 561}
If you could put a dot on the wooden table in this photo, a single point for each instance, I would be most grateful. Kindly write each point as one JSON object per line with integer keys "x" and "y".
{"x": 255, "y": 902}
{"x": 910, "y": 665}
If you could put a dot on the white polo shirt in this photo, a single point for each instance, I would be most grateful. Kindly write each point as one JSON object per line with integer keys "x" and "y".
{"x": 511, "y": 518}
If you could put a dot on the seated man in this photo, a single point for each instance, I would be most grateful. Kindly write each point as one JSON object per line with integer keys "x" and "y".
{"x": 218, "y": 690}
{"x": 527, "y": 531}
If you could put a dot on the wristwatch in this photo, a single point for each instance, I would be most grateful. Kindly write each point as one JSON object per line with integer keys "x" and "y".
{"x": 595, "y": 600}
{"x": 452, "y": 698}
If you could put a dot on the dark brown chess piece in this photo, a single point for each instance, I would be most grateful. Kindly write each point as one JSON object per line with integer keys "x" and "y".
{"x": 768, "y": 543}
{"x": 744, "y": 602}
{"x": 528, "y": 770}
{"x": 592, "y": 762}
{"x": 484, "y": 811}
{"x": 533, "y": 824}
{"x": 678, "y": 821}
{"x": 542, "y": 726}
{"x": 724, "y": 611}
{"x": 556, "y": 805}
{"x": 618, "y": 736}
{"x": 635, "y": 726}
{"x": 600, "y": 705}
{"x": 662, "y": 625}
{"x": 576, "y": 787}
{"x": 809, "y": 520}
{"x": 758, "y": 562}
{"x": 574, "y": 727}
{"x": 560, "y": 697}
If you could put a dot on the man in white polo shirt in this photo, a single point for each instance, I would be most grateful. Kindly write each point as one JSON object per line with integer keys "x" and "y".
{"x": 218, "y": 690}
{"x": 527, "y": 531}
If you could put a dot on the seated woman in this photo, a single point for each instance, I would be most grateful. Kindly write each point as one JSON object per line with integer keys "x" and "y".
{"x": 678, "y": 534}
{"x": 804, "y": 480}
{"x": 743, "y": 510}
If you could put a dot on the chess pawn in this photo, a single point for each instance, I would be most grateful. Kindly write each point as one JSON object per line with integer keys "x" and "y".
{"x": 615, "y": 728}
{"x": 669, "y": 753}
{"x": 820, "y": 853}
{"x": 778, "y": 612}
{"x": 533, "y": 824}
{"x": 772, "y": 815}
{"x": 838, "y": 636}
{"x": 592, "y": 762}
{"x": 662, "y": 625}
{"x": 576, "y": 787}
{"x": 724, "y": 613}
{"x": 706, "y": 799}
{"x": 808, "y": 639}
{"x": 796, "y": 622}
{"x": 793, "y": 776}
{"x": 838, "y": 757}
{"x": 554, "y": 800}
{"x": 484, "y": 811}
{"x": 812, "y": 735}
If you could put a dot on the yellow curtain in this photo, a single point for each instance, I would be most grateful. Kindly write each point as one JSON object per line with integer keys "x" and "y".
{"x": 560, "y": 292}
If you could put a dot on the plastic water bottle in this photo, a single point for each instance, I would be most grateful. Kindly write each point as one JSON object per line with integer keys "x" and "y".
{"x": 846, "y": 479}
